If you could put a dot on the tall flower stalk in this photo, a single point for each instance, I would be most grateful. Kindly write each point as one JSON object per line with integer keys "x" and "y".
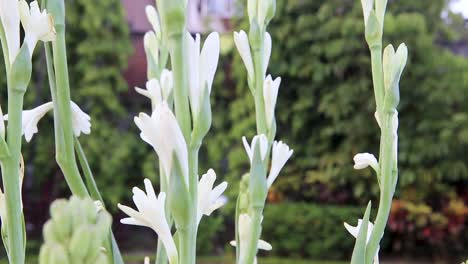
{"x": 387, "y": 68}
{"x": 255, "y": 50}
{"x": 180, "y": 119}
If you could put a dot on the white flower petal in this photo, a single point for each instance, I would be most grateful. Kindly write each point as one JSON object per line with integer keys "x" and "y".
{"x": 209, "y": 57}
{"x": 37, "y": 25}
{"x": 260, "y": 139}
{"x": 266, "y": 52}
{"x": 10, "y": 18}
{"x": 167, "y": 84}
{"x": 153, "y": 18}
{"x": 151, "y": 45}
{"x": 80, "y": 120}
{"x": 364, "y": 160}
{"x": 209, "y": 198}
{"x": 242, "y": 43}
{"x": 31, "y": 118}
{"x": 280, "y": 155}
{"x": 270, "y": 96}
{"x": 262, "y": 244}
{"x": 151, "y": 214}
{"x": 367, "y": 6}
{"x": 163, "y": 133}
{"x": 354, "y": 231}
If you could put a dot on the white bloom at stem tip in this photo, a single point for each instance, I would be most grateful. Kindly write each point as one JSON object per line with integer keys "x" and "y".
{"x": 244, "y": 229}
{"x": 354, "y": 231}
{"x": 242, "y": 43}
{"x": 153, "y": 18}
{"x": 209, "y": 198}
{"x": 270, "y": 96}
{"x": 280, "y": 155}
{"x": 80, "y": 120}
{"x": 151, "y": 213}
{"x": 158, "y": 90}
{"x": 162, "y": 131}
{"x": 37, "y": 25}
{"x": 364, "y": 160}
{"x": 202, "y": 66}
{"x": 10, "y": 18}
{"x": 260, "y": 139}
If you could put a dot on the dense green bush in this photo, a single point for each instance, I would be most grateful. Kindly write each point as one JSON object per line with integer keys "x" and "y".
{"x": 309, "y": 230}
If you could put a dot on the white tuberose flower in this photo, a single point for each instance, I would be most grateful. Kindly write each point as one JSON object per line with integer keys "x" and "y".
{"x": 270, "y": 95}
{"x": 37, "y": 25}
{"x": 163, "y": 133}
{"x": 260, "y": 139}
{"x": 245, "y": 225}
{"x": 242, "y": 43}
{"x": 354, "y": 231}
{"x": 151, "y": 214}
{"x": 202, "y": 67}
{"x": 280, "y": 155}
{"x": 364, "y": 160}
{"x": 80, "y": 120}
{"x": 158, "y": 90}
{"x": 209, "y": 199}
{"x": 10, "y": 18}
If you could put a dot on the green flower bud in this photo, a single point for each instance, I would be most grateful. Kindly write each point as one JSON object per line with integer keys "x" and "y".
{"x": 172, "y": 16}
{"x": 75, "y": 233}
{"x": 57, "y": 9}
{"x": 258, "y": 188}
{"x": 80, "y": 243}
{"x": 373, "y": 30}
{"x": 244, "y": 197}
{"x": 21, "y": 69}
{"x": 58, "y": 255}
{"x": 266, "y": 11}
{"x": 393, "y": 65}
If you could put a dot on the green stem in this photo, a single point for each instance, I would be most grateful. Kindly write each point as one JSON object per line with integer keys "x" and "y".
{"x": 161, "y": 255}
{"x": 387, "y": 183}
{"x": 187, "y": 250}
{"x": 180, "y": 71}
{"x": 88, "y": 174}
{"x": 67, "y": 161}
{"x": 255, "y": 232}
{"x": 260, "y": 114}
{"x": 11, "y": 179}
{"x": 377, "y": 74}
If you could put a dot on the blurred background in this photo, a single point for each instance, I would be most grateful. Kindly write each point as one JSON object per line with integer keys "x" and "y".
{"x": 325, "y": 113}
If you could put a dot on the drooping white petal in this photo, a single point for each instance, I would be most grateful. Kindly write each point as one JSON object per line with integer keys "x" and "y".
{"x": 260, "y": 139}
{"x": 151, "y": 213}
{"x": 242, "y": 43}
{"x": 364, "y": 160}
{"x": 209, "y": 199}
{"x": 280, "y": 155}
{"x": 10, "y": 18}
{"x": 266, "y": 52}
{"x": 153, "y": 92}
{"x": 163, "y": 133}
{"x": 354, "y": 231}
{"x": 31, "y": 118}
{"x": 270, "y": 96}
{"x": 367, "y": 6}
{"x": 153, "y": 18}
{"x": 37, "y": 25}
{"x": 80, "y": 120}
{"x": 262, "y": 244}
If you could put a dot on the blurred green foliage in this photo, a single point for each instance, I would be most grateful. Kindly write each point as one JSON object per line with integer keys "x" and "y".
{"x": 309, "y": 230}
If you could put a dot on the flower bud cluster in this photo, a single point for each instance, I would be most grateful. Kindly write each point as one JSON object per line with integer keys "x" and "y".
{"x": 76, "y": 233}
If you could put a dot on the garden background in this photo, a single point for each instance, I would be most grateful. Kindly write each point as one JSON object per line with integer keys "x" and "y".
{"x": 325, "y": 113}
